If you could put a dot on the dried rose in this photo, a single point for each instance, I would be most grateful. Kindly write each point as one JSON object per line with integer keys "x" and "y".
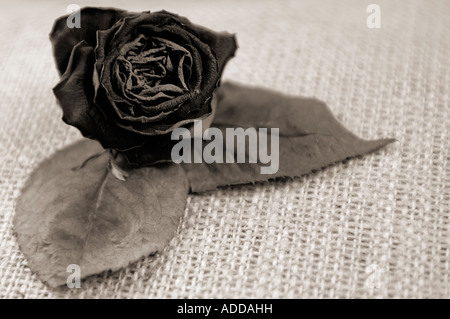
{"x": 128, "y": 79}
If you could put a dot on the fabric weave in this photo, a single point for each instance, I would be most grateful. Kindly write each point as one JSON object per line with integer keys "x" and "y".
{"x": 371, "y": 227}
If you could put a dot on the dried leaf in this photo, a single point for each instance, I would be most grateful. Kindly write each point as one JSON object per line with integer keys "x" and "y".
{"x": 90, "y": 218}
{"x": 310, "y": 137}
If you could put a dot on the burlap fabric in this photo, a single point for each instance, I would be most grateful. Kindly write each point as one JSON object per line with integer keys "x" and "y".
{"x": 376, "y": 226}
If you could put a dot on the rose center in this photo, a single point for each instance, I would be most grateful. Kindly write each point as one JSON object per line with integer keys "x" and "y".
{"x": 148, "y": 67}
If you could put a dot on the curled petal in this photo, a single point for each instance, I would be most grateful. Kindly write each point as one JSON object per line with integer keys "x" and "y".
{"x": 158, "y": 148}
{"x": 169, "y": 123}
{"x": 75, "y": 92}
{"x": 64, "y": 38}
{"x": 223, "y": 44}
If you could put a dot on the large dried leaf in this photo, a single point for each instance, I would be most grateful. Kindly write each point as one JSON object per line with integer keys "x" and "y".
{"x": 91, "y": 218}
{"x": 310, "y": 137}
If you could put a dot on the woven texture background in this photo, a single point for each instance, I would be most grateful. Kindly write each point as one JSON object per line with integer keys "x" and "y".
{"x": 377, "y": 226}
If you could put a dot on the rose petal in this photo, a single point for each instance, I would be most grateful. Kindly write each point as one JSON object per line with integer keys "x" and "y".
{"x": 158, "y": 149}
{"x": 223, "y": 44}
{"x": 64, "y": 38}
{"x": 75, "y": 93}
{"x": 171, "y": 122}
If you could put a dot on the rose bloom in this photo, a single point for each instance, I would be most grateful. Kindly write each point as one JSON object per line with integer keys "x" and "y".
{"x": 129, "y": 79}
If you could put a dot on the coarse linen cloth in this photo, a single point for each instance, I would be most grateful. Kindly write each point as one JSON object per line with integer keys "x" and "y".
{"x": 376, "y": 226}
